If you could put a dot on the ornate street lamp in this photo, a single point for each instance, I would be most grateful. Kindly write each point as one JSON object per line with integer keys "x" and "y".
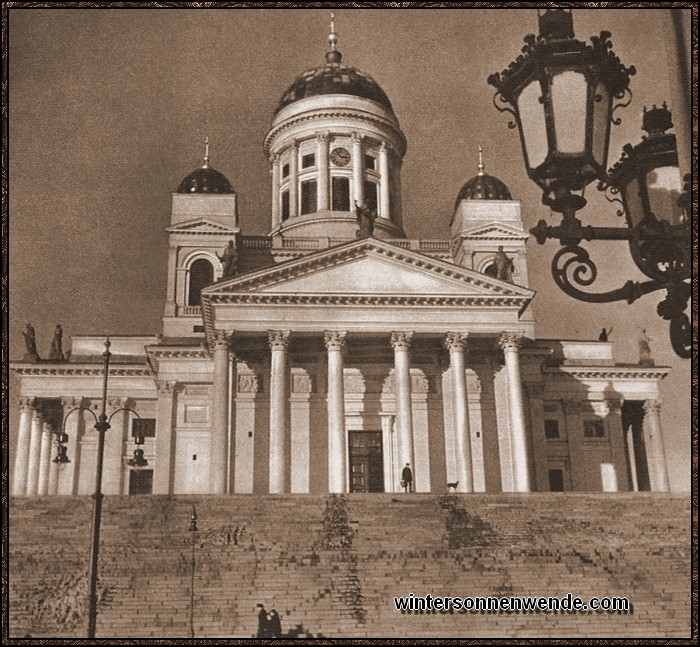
{"x": 193, "y": 529}
{"x": 562, "y": 94}
{"x": 101, "y": 425}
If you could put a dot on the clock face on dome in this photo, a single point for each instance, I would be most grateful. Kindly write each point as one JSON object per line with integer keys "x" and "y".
{"x": 340, "y": 157}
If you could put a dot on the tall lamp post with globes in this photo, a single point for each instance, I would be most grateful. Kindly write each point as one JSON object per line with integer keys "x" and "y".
{"x": 562, "y": 94}
{"x": 102, "y": 426}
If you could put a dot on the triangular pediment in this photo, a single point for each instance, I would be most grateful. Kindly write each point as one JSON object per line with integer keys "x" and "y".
{"x": 201, "y": 226}
{"x": 368, "y": 267}
{"x": 495, "y": 231}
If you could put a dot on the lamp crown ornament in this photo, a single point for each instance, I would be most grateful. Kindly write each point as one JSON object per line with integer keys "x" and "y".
{"x": 556, "y": 24}
{"x": 657, "y": 120}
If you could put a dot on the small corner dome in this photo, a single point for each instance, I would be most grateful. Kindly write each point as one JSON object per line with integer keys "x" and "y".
{"x": 484, "y": 187}
{"x": 205, "y": 180}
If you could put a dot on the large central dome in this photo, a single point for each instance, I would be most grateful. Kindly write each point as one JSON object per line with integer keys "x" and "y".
{"x": 334, "y": 77}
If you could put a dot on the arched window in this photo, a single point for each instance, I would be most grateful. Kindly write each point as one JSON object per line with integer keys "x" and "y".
{"x": 201, "y": 275}
{"x": 491, "y": 270}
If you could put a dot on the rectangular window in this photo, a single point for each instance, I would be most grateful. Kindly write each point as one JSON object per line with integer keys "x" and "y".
{"x": 551, "y": 429}
{"x": 341, "y": 194}
{"x": 285, "y": 205}
{"x": 556, "y": 480}
{"x": 593, "y": 428}
{"x": 285, "y": 170}
{"x": 371, "y": 195}
{"x": 308, "y": 197}
{"x": 307, "y": 161}
{"x": 370, "y": 162}
{"x": 145, "y": 427}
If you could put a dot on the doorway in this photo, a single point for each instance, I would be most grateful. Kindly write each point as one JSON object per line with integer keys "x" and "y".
{"x": 140, "y": 481}
{"x": 366, "y": 461}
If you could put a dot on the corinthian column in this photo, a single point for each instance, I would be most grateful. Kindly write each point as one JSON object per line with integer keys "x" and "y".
{"x": 219, "y": 422}
{"x": 165, "y": 443}
{"x": 24, "y": 435}
{"x": 510, "y": 343}
{"x": 293, "y": 180}
{"x": 652, "y": 422}
{"x": 401, "y": 342}
{"x": 337, "y": 478}
{"x": 358, "y": 179}
{"x": 276, "y": 215}
{"x": 323, "y": 195}
{"x": 34, "y": 454}
{"x": 44, "y": 460}
{"x": 456, "y": 343}
{"x": 384, "y": 181}
{"x": 278, "y": 410}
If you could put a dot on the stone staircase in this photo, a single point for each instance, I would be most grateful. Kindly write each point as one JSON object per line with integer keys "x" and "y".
{"x": 331, "y": 565}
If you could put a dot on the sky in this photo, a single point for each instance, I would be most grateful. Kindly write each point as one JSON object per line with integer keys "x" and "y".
{"x": 109, "y": 109}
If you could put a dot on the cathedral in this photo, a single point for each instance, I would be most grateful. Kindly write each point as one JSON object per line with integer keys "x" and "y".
{"x": 337, "y": 350}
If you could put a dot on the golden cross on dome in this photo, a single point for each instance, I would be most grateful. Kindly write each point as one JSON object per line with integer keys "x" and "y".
{"x": 481, "y": 160}
{"x": 333, "y": 37}
{"x": 206, "y": 153}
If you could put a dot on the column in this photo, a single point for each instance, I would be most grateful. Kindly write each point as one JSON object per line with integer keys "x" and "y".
{"x": 293, "y": 180}
{"x": 24, "y": 435}
{"x": 276, "y": 213}
{"x": 67, "y": 478}
{"x": 629, "y": 440}
{"x": 219, "y": 418}
{"x": 170, "y": 310}
{"x": 655, "y": 452}
{"x": 337, "y": 446}
{"x": 510, "y": 343}
{"x": 278, "y": 410}
{"x": 53, "y": 467}
{"x": 401, "y": 342}
{"x": 113, "y": 466}
{"x": 44, "y": 460}
{"x": 34, "y": 454}
{"x": 165, "y": 442}
{"x": 384, "y": 181}
{"x": 456, "y": 343}
{"x": 324, "y": 193}
{"x": 358, "y": 179}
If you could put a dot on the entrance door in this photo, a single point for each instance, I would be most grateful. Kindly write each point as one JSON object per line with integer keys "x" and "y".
{"x": 366, "y": 461}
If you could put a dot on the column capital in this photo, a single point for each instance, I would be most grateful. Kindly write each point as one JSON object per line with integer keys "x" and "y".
{"x": 25, "y": 403}
{"x": 166, "y": 387}
{"x": 401, "y": 340}
{"x": 652, "y": 406}
{"x": 510, "y": 340}
{"x": 383, "y": 147}
{"x": 114, "y": 404}
{"x": 221, "y": 339}
{"x": 614, "y": 406}
{"x": 294, "y": 145}
{"x": 456, "y": 341}
{"x": 334, "y": 339}
{"x": 322, "y": 137}
{"x": 172, "y": 247}
{"x": 278, "y": 339}
{"x": 275, "y": 158}
{"x": 71, "y": 402}
{"x": 356, "y": 138}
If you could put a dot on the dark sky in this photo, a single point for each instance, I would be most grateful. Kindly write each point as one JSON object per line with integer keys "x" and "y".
{"x": 109, "y": 109}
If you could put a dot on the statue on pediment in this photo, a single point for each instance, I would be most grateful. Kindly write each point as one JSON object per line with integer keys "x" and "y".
{"x": 229, "y": 260}
{"x": 365, "y": 220}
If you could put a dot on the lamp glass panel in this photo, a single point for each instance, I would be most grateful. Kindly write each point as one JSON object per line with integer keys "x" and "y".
{"x": 534, "y": 129}
{"x": 601, "y": 124}
{"x": 569, "y": 101}
{"x": 633, "y": 203}
{"x": 664, "y": 186}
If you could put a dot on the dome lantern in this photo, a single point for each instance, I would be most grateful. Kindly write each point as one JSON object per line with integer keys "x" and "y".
{"x": 205, "y": 179}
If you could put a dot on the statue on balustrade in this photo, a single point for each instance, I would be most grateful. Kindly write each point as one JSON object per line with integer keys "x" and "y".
{"x": 645, "y": 358}
{"x": 30, "y": 342}
{"x": 365, "y": 220}
{"x": 229, "y": 260}
{"x": 57, "y": 344}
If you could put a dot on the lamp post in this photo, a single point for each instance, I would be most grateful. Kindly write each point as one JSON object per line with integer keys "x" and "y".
{"x": 192, "y": 528}
{"x": 102, "y": 426}
{"x": 562, "y": 94}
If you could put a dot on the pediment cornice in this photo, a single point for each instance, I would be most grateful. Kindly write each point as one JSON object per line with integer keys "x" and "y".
{"x": 201, "y": 226}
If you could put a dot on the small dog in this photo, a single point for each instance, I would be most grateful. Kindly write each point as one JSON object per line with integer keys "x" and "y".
{"x": 452, "y": 486}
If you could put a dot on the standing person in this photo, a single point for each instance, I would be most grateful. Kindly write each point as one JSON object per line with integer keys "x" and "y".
{"x": 274, "y": 624}
{"x": 407, "y": 478}
{"x": 604, "y": 334}
{"x": 263, "y": 623}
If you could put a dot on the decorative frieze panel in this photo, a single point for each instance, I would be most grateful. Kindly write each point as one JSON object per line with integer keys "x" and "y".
{"x": 249, "y": 383}
{"x": 302, "y": 383}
